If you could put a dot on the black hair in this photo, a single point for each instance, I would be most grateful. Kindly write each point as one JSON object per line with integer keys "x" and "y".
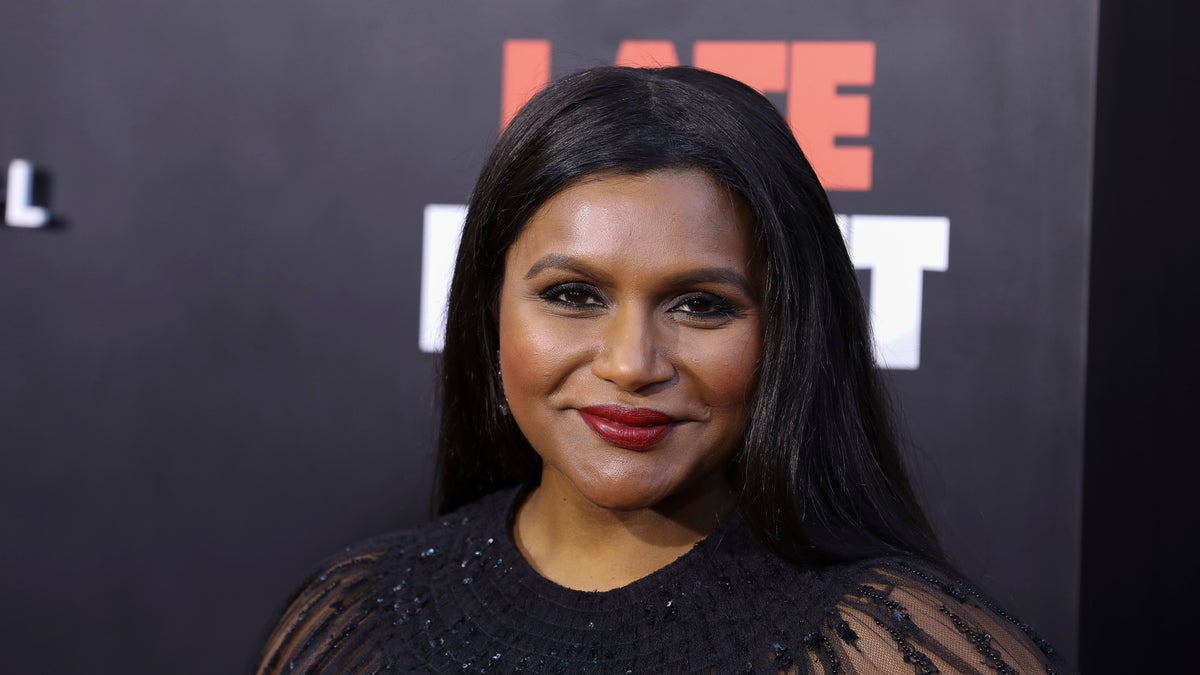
{"x": 819, "y": 474}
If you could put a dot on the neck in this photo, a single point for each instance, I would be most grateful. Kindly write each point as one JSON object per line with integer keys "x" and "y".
{"x": 587, "y": 547}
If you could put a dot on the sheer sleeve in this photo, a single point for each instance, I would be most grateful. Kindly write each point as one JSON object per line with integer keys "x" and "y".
{"x": 327, "y": 625}
{"x": 905, "y": 618}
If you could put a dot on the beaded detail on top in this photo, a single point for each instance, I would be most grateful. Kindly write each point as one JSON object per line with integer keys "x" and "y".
{"x": 456, "y": 596}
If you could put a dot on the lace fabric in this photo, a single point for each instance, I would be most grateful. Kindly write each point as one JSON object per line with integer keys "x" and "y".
{"x": 456, "y": 596}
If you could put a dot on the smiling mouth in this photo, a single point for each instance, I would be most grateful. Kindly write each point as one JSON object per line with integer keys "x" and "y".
{"x": 629, "y": 428}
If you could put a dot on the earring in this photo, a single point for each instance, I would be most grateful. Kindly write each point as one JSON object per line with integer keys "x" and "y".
{"x": 503, "y": 404}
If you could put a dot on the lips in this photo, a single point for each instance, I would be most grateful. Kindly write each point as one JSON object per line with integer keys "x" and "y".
{"x": 630, "y": 428}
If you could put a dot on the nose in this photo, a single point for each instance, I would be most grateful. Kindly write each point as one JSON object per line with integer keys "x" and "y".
{"x": 631, "y": 354}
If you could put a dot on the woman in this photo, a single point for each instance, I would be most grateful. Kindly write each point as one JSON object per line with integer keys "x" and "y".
{"x": 664, "y": 446}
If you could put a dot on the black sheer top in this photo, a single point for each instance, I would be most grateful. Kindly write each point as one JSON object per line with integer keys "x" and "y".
{"x": 456, "y": 596}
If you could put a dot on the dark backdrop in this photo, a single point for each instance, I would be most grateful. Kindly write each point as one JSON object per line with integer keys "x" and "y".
{"x": 1140, "y": 512}
{"x": 209, "y": 370}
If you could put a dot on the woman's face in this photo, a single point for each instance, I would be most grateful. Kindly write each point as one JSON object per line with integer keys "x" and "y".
{"x": 630, "y": 334}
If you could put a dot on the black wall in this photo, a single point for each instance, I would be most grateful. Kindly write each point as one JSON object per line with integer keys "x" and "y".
{"x": 1141, "y": 480}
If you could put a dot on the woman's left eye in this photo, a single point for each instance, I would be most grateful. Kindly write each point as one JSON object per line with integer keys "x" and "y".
{"x": 705, "y": 306}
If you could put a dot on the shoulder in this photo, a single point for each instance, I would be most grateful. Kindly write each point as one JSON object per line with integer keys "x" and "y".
{"x": 897, "y": 614}
{"x": 326, "y": 616}
{"x": 335, "y": 619}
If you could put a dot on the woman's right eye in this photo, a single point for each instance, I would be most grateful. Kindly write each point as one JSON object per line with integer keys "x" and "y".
{"x": 573, "y": 296}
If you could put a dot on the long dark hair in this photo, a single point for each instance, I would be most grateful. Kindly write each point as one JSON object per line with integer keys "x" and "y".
{"x": 819, "y": 474}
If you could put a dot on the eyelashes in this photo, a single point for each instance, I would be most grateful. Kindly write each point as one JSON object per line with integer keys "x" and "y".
{"x": 572, "y": 295}
{"x": 706, "y": 304}
{"x": 695, "y": 307}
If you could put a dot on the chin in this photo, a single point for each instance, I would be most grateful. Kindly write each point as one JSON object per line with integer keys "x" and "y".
{"x": 621, "y": 500}
{"x": 624, "y": 491}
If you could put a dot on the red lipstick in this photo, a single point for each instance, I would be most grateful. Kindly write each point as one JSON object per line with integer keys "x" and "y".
{"x": 630, "y": 428}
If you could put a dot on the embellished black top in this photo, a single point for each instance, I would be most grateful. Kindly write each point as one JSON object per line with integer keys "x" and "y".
{"x": 456, "y": 596}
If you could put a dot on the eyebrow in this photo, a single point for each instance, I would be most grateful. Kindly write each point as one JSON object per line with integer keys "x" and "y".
{"x": 722, "y": 275}
{"x": 562, "y": 261}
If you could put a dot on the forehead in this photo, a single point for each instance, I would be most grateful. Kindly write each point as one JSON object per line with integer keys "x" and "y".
{"x": 652, "y": 219}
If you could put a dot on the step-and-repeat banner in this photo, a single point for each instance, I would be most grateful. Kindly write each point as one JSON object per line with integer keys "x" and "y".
{"x": 229, "y": 228}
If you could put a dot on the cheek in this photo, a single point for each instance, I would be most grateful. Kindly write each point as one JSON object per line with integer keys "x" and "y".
{"x": 726, "y": 369}
{"x": 729, "y": 376}
{"x": 536, "y": 352}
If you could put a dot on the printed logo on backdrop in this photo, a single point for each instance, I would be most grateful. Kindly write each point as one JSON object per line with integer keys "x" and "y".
{"x": 831, "y": 125}
{"x": 21, "y": 208}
